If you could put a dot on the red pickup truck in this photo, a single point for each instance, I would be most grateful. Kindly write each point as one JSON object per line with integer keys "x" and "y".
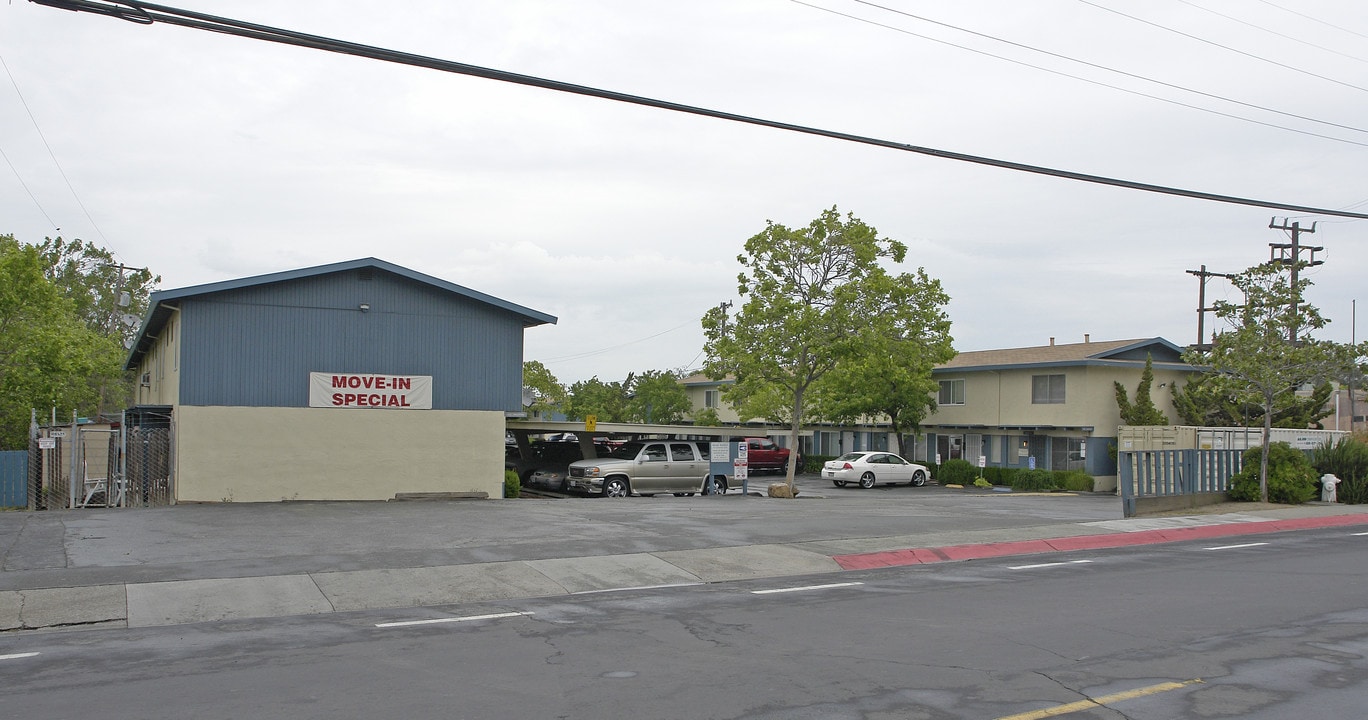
{"x": 763, "y": 454}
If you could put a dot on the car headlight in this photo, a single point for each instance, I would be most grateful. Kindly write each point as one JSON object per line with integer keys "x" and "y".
{"x": 591, "y": 472}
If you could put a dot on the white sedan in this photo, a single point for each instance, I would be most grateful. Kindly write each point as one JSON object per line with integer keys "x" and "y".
{"x": 868, "y": 468}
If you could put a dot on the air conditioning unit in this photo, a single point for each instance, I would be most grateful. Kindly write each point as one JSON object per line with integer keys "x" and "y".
{"x": 145, "y": 380}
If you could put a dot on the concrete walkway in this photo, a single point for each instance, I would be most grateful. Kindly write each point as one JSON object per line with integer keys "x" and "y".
{"x": 203, "y": 563}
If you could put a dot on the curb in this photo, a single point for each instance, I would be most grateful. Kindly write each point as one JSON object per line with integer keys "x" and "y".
{"x": 953, "y": 553}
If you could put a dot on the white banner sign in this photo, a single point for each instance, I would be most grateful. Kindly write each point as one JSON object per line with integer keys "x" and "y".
{"x": 356, "y": 390}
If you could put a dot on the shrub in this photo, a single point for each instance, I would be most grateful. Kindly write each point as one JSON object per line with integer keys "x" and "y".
{"x": 981, "y": 483}
{"x": 1348, "y": 461}
{"x": 957, "y": 472}
{"x": 512, "y": 488}
{"x": 1074, "y": 480}
{"x": 1291, "y": 478}
{"x": 1000, "y": 475}
{"x": 814, "y": 463}
{"x": 1037, "y": 480}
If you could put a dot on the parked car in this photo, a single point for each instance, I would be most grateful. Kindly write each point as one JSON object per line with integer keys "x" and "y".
{"x": 764, "y": 454}
{"x": 868, "y": 468}
{"x": 546, "y": 456}
{"x": 647, "y": 467}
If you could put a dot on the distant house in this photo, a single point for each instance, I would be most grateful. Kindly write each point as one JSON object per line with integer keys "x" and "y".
{"x": 1053, "y": 405}
{"x": 360, "y": 380}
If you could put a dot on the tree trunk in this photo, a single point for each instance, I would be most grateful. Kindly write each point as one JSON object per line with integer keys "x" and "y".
{"x": 795, "y": 426}
{"x": 1263, "y": 459}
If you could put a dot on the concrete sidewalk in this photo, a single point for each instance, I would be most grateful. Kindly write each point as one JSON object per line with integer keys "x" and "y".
{"x": 189, "y": 564}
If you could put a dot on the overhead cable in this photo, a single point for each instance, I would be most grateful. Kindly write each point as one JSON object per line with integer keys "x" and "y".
{"x": 1096, "y": 66}
{"x": 148, "y": 13}
{"x": 1224, "y": 47}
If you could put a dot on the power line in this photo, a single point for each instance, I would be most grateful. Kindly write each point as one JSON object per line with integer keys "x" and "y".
{"x": 1312, "y": 19}
{"x": 147, "y": 13}
{"x": 1223, "y": 47}
{"x": 51, "y": 154}
{"x": 1285, "y": 36}
{"x": 24, "y": 185}
{"x": 1096, "y": 66}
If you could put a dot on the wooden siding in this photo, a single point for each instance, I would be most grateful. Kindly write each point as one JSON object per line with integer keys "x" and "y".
{"x": 256, "y": 346}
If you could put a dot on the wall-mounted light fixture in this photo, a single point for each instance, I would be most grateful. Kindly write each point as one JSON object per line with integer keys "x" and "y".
{"x": 365, "y": 307}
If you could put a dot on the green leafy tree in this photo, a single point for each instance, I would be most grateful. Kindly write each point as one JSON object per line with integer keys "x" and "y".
{"x": 657, "y": 397}
{"x": 1269, "y": 350}
{"x": 707, "y": 417}
{"x": 111, "y": 299}
{"x": 607, "y": 401}
{"x": 541, "y": 387}
{"x": 1206, "y": 400}
{"x": 1142, "y": 411}
{"x": 889, "y": 373}
{"x": 814, "y": 298}
{"x": 47, "y": 354}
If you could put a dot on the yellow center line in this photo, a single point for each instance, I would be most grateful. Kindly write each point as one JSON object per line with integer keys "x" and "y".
{"x": 1100, "y": 702}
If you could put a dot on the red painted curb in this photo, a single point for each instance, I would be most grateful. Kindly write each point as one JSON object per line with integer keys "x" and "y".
{"x": 926, "y": 556}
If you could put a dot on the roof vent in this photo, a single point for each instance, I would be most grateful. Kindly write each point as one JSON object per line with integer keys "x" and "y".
{"x": 365, "y": 274}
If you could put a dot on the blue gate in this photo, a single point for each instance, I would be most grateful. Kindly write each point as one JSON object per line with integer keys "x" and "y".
{"x": 14, "y": 478}
{"x": 1168, "y": 473}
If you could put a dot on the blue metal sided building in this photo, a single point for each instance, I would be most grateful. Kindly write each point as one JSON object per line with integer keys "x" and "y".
{"x": 358, "y": 380}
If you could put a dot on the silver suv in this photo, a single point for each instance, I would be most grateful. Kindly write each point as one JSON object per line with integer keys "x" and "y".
{"x": 647, "y": 467}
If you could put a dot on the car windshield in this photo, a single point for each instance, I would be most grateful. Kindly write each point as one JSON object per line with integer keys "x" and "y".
{"x": 627, "y": 451}
{"x": 849, "y": 457}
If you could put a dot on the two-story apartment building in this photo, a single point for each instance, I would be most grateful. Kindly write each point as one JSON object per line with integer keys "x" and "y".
{"x": 1052, "y": 406}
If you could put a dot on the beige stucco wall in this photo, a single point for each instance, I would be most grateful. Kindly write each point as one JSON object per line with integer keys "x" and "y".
{"x": 1003, "y": 398}
{"x": 250, "y": 454}
{"x": 161, "y": 366}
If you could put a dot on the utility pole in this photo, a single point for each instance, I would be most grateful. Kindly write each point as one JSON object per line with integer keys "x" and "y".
{"x": 1202, "y": 308}
{"x": 1290, "y": 254}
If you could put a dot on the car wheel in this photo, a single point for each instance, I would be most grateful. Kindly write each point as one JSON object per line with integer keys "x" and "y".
{"x": 722, "y": 486}
{"x": 867, "y": 480}
{"x": 918, "y": 479}
{"x": 616, "y": 487}
{"x": 838, "y": 483}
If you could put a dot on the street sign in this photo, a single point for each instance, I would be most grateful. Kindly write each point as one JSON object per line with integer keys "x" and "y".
{"x": 47, "y": 443}
{"x": 590, "y": 423}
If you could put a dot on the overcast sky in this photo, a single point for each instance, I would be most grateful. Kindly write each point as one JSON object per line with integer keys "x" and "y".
{"x": 207, "y": 157}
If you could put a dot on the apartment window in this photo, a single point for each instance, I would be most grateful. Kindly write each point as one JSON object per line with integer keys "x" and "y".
{"x": 951, "y": 392}
{"x": 1047, "y": 389}
{"x": 710, "y": 398}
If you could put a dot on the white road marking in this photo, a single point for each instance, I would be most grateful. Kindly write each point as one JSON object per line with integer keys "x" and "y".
{"x": 1045, "y": 565}
{"x": 1233, "y": 547}
{"x": 495, "y": 616}
{"x": 1357, "y": 534}
{"x": 806, "y": 587}
{"x": 17, "y": 656}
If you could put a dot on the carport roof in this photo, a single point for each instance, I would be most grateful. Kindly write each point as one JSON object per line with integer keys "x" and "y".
{"x": 162, "y": 303}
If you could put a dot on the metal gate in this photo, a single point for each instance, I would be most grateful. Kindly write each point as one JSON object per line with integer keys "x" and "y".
{"x": 104, "y": 464}
{"x": 1163, "y": 473}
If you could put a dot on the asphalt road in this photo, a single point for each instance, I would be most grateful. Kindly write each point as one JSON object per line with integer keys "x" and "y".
{"x": 1265, "y": 627}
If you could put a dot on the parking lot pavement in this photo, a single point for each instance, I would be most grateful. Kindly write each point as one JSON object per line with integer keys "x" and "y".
{"x": 195, "y": 563}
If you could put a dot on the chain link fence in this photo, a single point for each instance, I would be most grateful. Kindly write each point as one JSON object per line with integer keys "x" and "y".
{"x": 108, "y": 464}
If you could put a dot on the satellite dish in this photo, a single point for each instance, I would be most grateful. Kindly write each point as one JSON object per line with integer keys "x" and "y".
{"x": 529, "y": 396}
{"x": 131, "y": 320}
{"x": 128, "y": 343}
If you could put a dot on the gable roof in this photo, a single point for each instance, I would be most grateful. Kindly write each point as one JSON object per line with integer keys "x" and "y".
{"x": 161, "y": 303}
{"x": 1109, "y": 352}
